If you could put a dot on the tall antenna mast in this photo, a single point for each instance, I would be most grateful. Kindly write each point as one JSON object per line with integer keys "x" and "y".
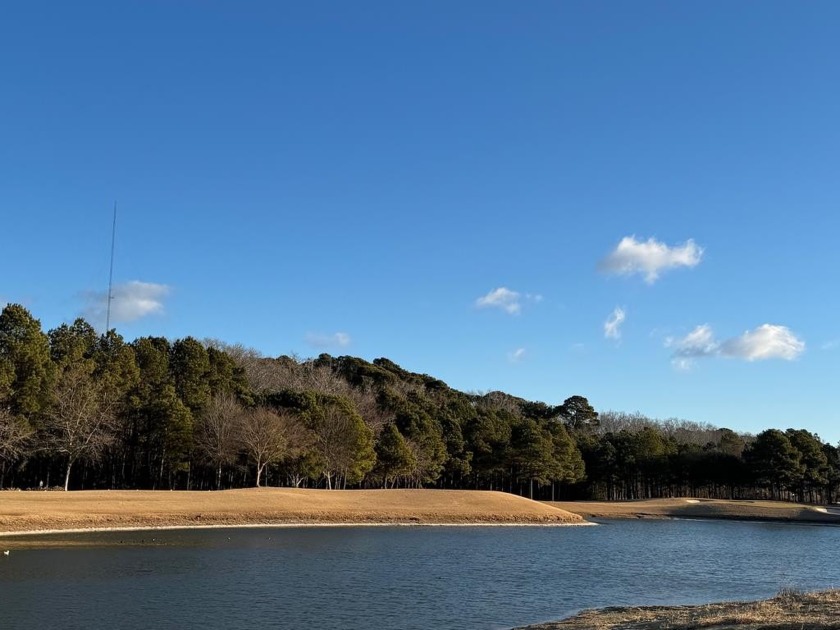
{"x": 111, "y": 273}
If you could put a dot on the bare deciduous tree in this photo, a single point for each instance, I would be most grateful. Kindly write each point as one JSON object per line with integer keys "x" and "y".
{"x": 268, "y": 437}
{"x": 217, "y": 433}
{"x": 499, "y": 401}
{"x": 15, "y": 440}
{"x": 374, "y": 416}
{"x": 322, "y": 379}
{"x": 80, "y": 422}
{"x": 259, "y": 371}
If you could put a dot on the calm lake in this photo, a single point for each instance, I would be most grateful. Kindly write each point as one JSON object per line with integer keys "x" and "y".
{"x": 402, "y": 577}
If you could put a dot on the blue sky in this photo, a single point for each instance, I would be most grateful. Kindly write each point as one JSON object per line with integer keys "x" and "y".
{"x": 474, "y": 190}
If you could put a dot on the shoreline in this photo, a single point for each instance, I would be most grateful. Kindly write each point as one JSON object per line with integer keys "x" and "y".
{"x": 35, "y": 513}
{"x": 34, "y": 533}
{"x": 687, "y": 508}
{"x": 816, "y": 610}
{"x": 30, "y": 514}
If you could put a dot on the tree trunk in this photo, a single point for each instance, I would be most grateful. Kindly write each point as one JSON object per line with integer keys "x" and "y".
{"x": 67, "y": 476}
{"x": 160, "y": 472}
{"x": 260, "y": 467}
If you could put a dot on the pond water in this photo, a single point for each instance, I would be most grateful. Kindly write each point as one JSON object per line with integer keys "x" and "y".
{"x": 402, "y": 577}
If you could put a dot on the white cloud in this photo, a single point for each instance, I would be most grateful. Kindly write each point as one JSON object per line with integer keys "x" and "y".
{"x": 768, "y": 341}
{"x": 507, "y": 300}
{"x": 517, "y": 355}
{"x": 612, "y": 327}
{"x": 650, "y": 257}
{"x": 502, "y": 298}
{"x": 129, "y": 301}
{"x": 321, "y": 340}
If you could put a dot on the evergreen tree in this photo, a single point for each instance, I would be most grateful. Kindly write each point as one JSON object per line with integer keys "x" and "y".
{"x": 190, "y": 366}
{"x": 394, "y": 458}
{"x": 26, "y": 371}
{"x": 343, "y": 442}
{"x": 813, "y": 462}
{"x": 578, "y": 414}
{"x": 532, "y": 453}
{"x": 774, "y": 462}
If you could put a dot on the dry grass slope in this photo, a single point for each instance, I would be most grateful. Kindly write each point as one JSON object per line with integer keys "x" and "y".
{"x": 28, "y": 511}
{"x": 786, "y": 611}
{"x": 702, "y": 508}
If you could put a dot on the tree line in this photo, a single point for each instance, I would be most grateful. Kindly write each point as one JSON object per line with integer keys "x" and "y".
{"x": 84, "y": 410}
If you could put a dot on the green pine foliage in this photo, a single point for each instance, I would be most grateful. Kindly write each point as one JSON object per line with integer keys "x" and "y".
{"x": 92, "y": 411}
{"x": 26, "y": 371}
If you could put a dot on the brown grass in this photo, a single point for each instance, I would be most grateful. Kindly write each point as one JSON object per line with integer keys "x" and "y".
{"x": 38, "y": 511}
{"x": 701, "y": 508}
{"x": 786, "y": 611}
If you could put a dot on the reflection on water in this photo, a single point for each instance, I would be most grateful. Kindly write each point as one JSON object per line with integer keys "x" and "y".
{"x": 399, "y": 577}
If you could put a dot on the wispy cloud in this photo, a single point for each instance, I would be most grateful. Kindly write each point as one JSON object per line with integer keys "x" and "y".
{"x": 768, "y": 341}
{"x": 650, "y": 257}
{"x": 828, "y": 345}
{"x": 322, "y": 340}
{"x": 502, "y": 298}
{"x": 612, "y": 327}
{"x": 699, "y": 343}
{"x": 507, "y": 300}
{"x": 517, "y": 355}
{"x": 130, "y": 301}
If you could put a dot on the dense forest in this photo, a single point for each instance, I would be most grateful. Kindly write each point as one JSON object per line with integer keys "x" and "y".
{"x": 83, "y": 410}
